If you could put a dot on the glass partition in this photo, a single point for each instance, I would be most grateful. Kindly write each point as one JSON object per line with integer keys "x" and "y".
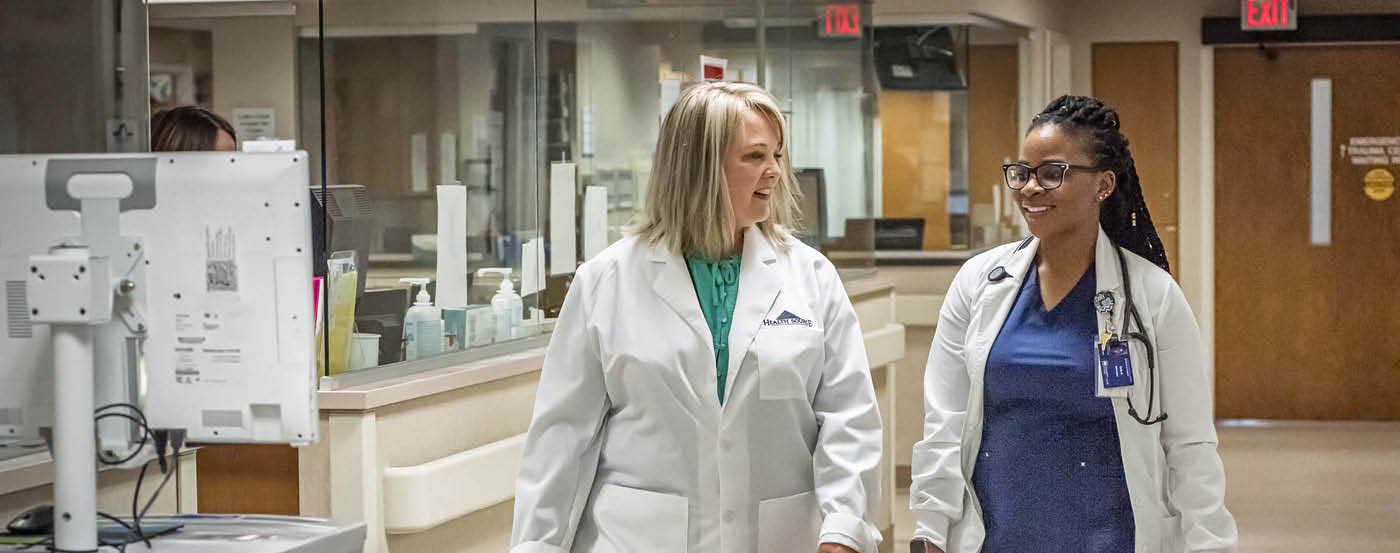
{"x": 819, "y": 57}
{"x": 466, "y": 154}
{"x": 426, "y": 117}
{"x": 632, "y": 63}
{"x": 472, "y": 144}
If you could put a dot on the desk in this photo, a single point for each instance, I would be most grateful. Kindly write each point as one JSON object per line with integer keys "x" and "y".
{"x": 248, "y": 534}
{"x": 27, "y": 481}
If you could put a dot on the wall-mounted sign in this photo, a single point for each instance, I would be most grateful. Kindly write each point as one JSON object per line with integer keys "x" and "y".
{"x": 842, "y": 20}
{"x": 712, "y": 69}
{"x": 1372, "y": 150}
{"x": 1380, "y": 184}
{"x": 255, "y": 123}
{"x": 1269, "y": 15}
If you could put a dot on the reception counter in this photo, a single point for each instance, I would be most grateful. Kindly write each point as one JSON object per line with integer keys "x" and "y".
{"x": 428, "y": 460}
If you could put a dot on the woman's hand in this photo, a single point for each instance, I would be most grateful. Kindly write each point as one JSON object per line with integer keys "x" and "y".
{"x": 834, "y": 548}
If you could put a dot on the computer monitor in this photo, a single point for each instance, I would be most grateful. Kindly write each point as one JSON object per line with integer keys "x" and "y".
{"x": 381, "y": 312}
{"x": 351, "y": 227}
{"x": 220, "y": 256}
{"x": 921, "y": 58}
{"x": 899, "y": 233}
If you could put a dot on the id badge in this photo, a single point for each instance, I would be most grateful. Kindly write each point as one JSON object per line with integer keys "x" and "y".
{"x": 1115, "y": 365}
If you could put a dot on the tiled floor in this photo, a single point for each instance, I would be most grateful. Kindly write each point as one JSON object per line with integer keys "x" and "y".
{"x": 1299, "y": 487}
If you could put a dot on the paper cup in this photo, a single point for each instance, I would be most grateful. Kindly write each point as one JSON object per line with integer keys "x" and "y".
{"x": 364, "y": 351}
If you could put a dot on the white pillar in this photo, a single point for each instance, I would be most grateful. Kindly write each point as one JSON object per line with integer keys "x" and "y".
{"x": 356, "y": 475}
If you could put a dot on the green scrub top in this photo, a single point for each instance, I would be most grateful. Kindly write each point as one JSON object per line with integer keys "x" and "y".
{"x": 716, "y": 285}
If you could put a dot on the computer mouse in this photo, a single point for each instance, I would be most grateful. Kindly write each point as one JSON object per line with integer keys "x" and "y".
{"x": 36, "y": 521}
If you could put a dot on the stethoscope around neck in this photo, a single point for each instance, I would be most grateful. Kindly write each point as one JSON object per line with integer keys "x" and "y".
{"x": 999, "y": 273}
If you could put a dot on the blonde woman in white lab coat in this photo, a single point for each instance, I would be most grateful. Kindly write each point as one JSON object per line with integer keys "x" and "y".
{"x": 706, "y": 388}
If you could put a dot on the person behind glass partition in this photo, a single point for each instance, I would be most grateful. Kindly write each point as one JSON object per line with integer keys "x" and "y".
{"x": 191, "y": 129}
{"x": 1067, "y": 402}
{"x": 706, "y": 388}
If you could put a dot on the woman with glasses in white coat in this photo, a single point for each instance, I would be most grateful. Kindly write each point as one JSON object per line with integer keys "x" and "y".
{"x": 1067, "y": 405}
{"x": 706, "y": 388}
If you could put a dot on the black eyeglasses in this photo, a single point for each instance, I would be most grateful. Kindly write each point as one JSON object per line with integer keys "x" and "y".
{"x": 1050, "y": 174}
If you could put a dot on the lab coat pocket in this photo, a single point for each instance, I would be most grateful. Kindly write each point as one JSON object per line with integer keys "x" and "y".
{"x": 786, "y": 356}
{"x": 1170, "y": 529}
{"x": 791, "y": 523}
{"x": 639, "y": 521}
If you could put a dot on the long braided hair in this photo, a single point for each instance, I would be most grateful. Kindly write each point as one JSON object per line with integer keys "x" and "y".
{"x": 1123, "y": 215}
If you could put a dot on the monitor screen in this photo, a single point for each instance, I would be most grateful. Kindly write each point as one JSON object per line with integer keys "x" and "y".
{"x": 921, "y": 58}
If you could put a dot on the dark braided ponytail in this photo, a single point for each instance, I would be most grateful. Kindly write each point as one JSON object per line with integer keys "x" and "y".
{"x": 1123, "y": 215}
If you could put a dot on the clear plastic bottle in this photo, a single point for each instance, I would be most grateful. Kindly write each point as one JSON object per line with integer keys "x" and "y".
{"x": 422, "y": 325}
{"x": 509, "y": 311}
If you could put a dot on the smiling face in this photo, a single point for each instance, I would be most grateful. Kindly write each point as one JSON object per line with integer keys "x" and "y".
{"x": 1075, "y": 203}
{"x": 752, "y": 164}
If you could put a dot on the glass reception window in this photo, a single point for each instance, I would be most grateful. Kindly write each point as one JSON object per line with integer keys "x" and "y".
{"x": 476, "y": 145}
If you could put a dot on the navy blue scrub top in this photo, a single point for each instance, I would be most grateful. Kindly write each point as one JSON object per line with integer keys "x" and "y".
{"x": 1049, "y": 474}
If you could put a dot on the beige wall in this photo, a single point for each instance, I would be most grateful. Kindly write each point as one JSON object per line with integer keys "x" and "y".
{"x": 254, "y": 64}
{"x": 1048, "y": 14}
{"x": 437, "y": 12}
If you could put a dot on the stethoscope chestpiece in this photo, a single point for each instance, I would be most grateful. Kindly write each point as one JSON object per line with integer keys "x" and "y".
{"x": 998, "y": 274}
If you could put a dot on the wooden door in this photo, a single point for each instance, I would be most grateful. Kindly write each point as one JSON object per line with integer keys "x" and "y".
{"x": 914, "y": 127}
{"x": 1304, "y": 331}
{"x": 1139, "y": 80}
{"x": 993, "y": 135}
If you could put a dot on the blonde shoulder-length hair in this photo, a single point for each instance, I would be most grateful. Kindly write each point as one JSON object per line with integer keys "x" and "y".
{"x": 687, "y": 204}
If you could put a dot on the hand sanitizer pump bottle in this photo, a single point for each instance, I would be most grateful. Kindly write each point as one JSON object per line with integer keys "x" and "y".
{"x": 422, "y": 325}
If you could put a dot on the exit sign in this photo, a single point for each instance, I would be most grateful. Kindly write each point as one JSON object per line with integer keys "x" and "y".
{"x": 842, "y": 20}
{"x": 1269, "y": 15}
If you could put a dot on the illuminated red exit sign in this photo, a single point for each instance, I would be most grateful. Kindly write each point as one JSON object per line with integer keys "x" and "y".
{"x": 1269, "y": 15}
{"x": 841, "y": 20}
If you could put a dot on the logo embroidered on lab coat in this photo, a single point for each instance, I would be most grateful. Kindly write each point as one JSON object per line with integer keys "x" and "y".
{"x": 787, "y": 319}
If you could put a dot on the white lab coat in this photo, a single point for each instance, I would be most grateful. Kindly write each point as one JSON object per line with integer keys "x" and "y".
{"x": 630, "y": 450}
{"x": 1175, "y": 479}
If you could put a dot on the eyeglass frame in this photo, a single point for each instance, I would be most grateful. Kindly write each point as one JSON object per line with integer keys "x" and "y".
{"x": 1035, "y": 172}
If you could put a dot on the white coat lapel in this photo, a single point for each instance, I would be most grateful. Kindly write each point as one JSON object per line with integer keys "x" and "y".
{"x": 997, "y": 299}
{"x": 760, "y": 281}
{"x": 1106, "y": 273}
{"x": 1108, "y": 278}
{"x": 671, "y": 281}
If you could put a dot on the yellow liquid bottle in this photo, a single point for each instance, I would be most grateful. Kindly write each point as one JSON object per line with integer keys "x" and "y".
{"x": 342, "y": 306}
